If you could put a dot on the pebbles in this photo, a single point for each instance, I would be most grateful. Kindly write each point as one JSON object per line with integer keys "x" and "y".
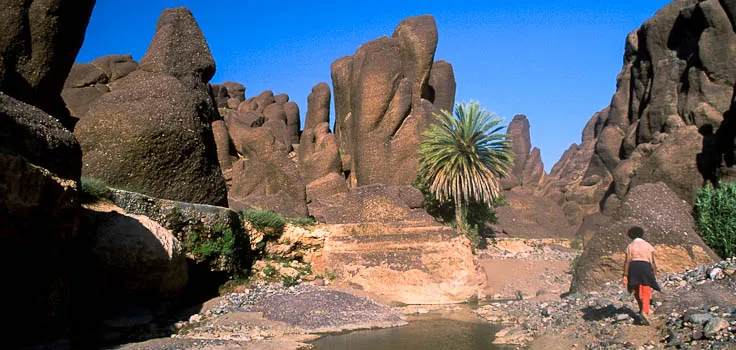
{"x": 598, "y": 320}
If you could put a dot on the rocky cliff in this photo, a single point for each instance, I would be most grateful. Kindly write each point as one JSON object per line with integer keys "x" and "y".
{"x": 40, "y": 164}
{"x": 671, "y": 118}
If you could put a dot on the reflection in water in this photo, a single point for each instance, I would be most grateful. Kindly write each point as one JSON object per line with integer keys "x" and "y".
{"x": 431, "y": 334}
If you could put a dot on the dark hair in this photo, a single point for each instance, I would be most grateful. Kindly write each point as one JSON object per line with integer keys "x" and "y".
{"x": 636, "y": 232}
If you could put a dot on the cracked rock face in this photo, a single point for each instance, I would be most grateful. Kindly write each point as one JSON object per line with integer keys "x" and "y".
{"x": 671, "y": 118}
{"x": 384, "y": 97}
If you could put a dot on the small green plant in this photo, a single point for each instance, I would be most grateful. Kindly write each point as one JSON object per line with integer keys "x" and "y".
{"x": 94, "y": 189}
{"x": 302, "y": 222}
{"x": 715, "y": 217}
{"x": 264, "y": 218}
{"x": 269, "y": 271}
{"x": 289, "y": 281}
{"x": 331, "y": 275}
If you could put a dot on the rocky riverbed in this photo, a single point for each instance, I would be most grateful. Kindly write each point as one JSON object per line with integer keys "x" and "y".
{"x": 272, "y": 316}
{"x": 695, "y": 311}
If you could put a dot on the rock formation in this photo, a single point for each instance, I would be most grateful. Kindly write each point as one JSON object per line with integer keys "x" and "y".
{"x": 89, "y": 81}
{"x": 384, "y": 97}
{"x": 133, "y": 257}
{"x": 319, "y": 158}
{"x": 228, "y": 94}
{"x": 667, "y": 224}
{"x": 39, "y": 44}
{"x": 152, "y": 131}
{"x": 40, "y": 164}
{"x": 678, "y": 79}
{"x": 529, "y": 214}
{"x": 254, "y": 145}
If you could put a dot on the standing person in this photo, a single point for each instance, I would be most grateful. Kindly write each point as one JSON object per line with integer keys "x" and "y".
{"x": 640, "y": 271}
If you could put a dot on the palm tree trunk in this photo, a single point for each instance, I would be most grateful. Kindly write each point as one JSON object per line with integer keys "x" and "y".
{"x": 459, "y": 217}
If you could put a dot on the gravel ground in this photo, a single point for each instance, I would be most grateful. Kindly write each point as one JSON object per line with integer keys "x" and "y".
{"x": 696, "y": 311}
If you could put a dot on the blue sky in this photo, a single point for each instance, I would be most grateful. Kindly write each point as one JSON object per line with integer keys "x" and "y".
{"x": 555, "y": 61}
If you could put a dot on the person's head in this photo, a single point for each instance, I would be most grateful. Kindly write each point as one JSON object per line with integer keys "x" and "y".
{"x": 636, "y": 232}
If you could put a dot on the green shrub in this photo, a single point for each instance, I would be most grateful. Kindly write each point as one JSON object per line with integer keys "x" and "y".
{"x": 303, "y": 222}
{"x": 480, "y": 217}
{"x": 94, "y": 189}
{"x": 264, "y": 218}
{"x": 715, "y": 217}
{"x": 289, "y": 281}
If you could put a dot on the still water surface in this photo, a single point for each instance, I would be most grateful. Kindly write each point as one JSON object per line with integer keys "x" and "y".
{"x": 423, "y": 334}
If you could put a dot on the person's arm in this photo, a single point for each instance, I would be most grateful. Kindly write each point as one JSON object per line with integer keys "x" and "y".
{"x": 626, "y": 268}
{"x": 654, "y": 266}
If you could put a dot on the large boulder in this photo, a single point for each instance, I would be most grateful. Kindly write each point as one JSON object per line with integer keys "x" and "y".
{"x": 255, "y": 144}
{"x": 133, "y": 257}
{"x": 40, "y": 172}
{"x": 668, "y": 226}
{"x": 152, "y": 132}
{"x": 38, "y": 45}
{"x": 383, "y": 102}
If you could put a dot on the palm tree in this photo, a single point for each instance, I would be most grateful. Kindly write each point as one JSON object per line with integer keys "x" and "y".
{"x": 463, "y": 157}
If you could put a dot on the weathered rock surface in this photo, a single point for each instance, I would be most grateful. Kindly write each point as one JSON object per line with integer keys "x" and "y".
{"x": 40, "y": 161}
{"x": 667, "y": 224}
{"x": 181, "y": 219}
{"x": 678, "y": 76}
{"x": 528, "y": 170}
{"x": 152, "y": 132}
{"x": 402, "y": 262}
{"x": 88, "y": 81}
{"x": 39, "y": 42}
{"x": 383, "y": 102}
{"x": 228, "y": 94}
{"x": 133, "y": 256}
{"x": 532, "y": 216}
{"x": 264, "y": 175}
{"x": 254, "y": 145}
{"x": 384, "y": 203}
{"x": 319, "y": 158}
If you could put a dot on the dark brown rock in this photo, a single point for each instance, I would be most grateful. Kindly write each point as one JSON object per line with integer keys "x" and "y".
{"x": 150, "y": 135}
{"x": 39, "y": 42}
{"x": 235, "y": 90}
{"x": 667, "y": 224}
{"x": 531, "y": 216}
{"x": 293, "y": 121}
{"x": 40, "y": 161}
{"x": 678, "y": 75}
{"x": 319, "y": 163}
{"x": 372, "y": 203}
{"x": 179, "y": 49}
{"x": 442, "y": 85}
{"x": 518, "y": 133}
{"x": 85, "y": 74}
{"x": 116, "y": 66}
{"x": 319, "y": 106}
{"x": 152, "y": 132}
{"x": 387, "y": 83}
